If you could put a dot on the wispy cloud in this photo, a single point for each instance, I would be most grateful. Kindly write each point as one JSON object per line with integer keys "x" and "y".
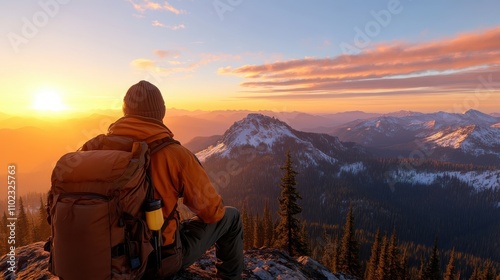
{"x": 176, "y": 27}
{"x": 448, "y": 65}
{"x": 157, "y": 23}
{"x": 176, "y": 66}
{"x": 167, "y": 53}
{"x": 145, "y": 5}
{"x": 143, "y": 63}
{"x": 170, "y": 8}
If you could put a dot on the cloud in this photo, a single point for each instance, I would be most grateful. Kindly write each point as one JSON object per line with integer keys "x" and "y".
{"x": 157, "y": 23}
{"x": 170, "y": 67}
{"x": 447, "y": 65}
{"x": 143, "y": 63}
{"x": 167, "y": 53}
{"x": 177, "y": 27}
{"x": 145, "y": 5}
{"x": 170, "y": 8}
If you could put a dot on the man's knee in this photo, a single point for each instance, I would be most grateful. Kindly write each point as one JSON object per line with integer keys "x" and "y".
{"x": 233, "y": 217}
{"x": 232, "y": 213}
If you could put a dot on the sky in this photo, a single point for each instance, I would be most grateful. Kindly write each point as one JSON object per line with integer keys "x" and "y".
{"x": 310, "y": 56}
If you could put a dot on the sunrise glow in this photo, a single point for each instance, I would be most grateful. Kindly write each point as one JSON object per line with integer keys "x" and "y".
{"x": 48, "y": 100}
{"x": 332, "y": 56}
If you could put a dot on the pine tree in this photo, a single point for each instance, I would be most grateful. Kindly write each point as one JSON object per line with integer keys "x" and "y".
{"x": 35, "y": 230}
{"x": 432, "y": 271}
{"x": 247, "y": 229}
{"x": 4, "y": 233}
{"x": 23, "y": 233}
{"x": 349, "y": 260}
{"x": 289, "y": 229}
{"x": 475, "y": 274}
{"x": 327, "y": 256}
{"x": 488, "y": 273}
{"x": 330, "y": 251}
{"x": 268, "y": 225}
{"x": 405, "y": 267}
{"x": 421, "y": 270}
{"x": 43, "y": 226}
{"x": 336, "y": 253}
{"x": 275, "y": 234}
{"x": 304, "y": 244}
{"x": 371, "y": 267}
{"x": 258, "y": 232}
{"x": 394, "y": 269}
{"x": 382, "y": 267}
{"x": 450, "y": 273}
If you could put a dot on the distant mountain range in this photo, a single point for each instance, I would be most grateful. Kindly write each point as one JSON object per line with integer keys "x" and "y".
{"x": 416, "y": 194}
{"x": 473, "y": 134}
{"x": 472, "y": 137}
{"x": 35, "y": 142}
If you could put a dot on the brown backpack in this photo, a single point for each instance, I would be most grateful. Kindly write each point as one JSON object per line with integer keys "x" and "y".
{"x": 96, "y": 212}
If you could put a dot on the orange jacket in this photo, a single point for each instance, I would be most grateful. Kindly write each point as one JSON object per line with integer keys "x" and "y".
{"x": 175, "y": 172}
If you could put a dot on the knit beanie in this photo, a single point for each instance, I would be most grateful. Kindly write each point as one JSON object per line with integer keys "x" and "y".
{"x": 144, "y": 99}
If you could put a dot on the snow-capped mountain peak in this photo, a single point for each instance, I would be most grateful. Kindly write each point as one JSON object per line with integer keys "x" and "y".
{"x": 264, "y": 134}
{"x": 257, "y": 129}
{"x": 479, "y": 117}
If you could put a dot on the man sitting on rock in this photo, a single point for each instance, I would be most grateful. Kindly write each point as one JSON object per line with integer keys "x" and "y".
{"x": 176, "y": 173}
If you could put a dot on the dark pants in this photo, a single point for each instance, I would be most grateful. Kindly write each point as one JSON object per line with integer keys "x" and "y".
{"x": 227, "y": 235}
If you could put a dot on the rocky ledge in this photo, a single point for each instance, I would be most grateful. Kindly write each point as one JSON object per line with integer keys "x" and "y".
{"x": 263, "y": 263}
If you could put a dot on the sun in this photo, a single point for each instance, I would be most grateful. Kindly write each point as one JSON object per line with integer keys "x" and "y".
{"x": 48, "y": 100}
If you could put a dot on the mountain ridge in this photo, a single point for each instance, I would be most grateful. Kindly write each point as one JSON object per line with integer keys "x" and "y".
{"x": 258, "y": 134}
{"x": 456, "y": 137}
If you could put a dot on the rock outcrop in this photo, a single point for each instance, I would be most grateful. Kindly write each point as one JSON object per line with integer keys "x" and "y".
{"x": 263, "y": 263}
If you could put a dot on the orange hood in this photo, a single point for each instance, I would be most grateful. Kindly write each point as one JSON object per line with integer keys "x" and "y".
{"x": 140, "y": 128}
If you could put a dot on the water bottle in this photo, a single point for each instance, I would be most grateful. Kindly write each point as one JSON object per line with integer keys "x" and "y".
{"x": 154, "y": 215}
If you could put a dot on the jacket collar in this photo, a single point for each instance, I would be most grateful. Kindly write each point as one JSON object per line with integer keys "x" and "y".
{"x": 140, "y": 128}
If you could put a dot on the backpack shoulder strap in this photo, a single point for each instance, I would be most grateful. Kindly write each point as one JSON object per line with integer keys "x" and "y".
{"x": 159, "y": 144}
{"x": 154, "y": 147}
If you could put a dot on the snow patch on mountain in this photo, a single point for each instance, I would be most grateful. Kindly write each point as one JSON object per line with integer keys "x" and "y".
{"x": 314, "y": 155}
{"x": 451, "y": 138}
{"x": 220, "y": 148}
{"x": 483, "y": 140}
{"x": 353, "y": 168}
{"x": 480, "y": 180}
